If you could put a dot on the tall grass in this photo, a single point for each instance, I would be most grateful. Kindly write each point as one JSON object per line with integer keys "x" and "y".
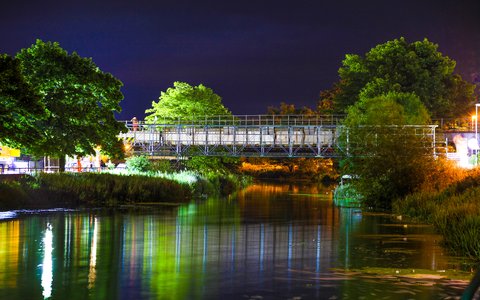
{"x": 12, "y": 195}
{"x": 90, "y": 189}
{"x": 202, "y": 183}
{"x": 115, "y": 188}
{"x": 108, "y": 189}
{"x": 453, "y": 208}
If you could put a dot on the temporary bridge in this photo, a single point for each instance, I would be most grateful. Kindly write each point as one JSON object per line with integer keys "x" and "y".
{"x": 253, "y": 136}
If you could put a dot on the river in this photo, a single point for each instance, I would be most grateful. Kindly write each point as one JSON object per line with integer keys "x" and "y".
{"x": 270, "y": 241}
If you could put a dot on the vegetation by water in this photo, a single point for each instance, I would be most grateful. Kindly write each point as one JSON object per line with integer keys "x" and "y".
{"x": 210, "y": 175}
{"x": 312, "y": 169}
{"x": 89, "y": 189}
{"x": 346, "y": 196}
{"x": 452, "y": 204}
{"x": 110, "y": 190}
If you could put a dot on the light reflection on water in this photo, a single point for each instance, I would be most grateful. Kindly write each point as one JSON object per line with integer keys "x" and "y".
{"x": 47, "y": 274}
{"x": 269, "y": 241}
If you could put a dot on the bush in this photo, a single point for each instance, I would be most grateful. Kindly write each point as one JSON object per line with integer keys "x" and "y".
{"x": 138, "y": 163}
{"x": 163, "y": 166}
{"x": 11, "y": 195}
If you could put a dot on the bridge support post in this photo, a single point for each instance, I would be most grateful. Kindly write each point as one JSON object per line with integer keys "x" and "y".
{"x": 206, "y": 140}
{"x": 290, "y": 141}
{"x": 262, "y": 147}
{"x": 319, "y": 146}
{"x": 179, "y": 141}
{"x": 234, "y": 146}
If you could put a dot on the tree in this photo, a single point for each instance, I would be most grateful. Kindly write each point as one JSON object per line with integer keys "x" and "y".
{"x": 20, "y": 106}
{"x": 80, "y": 101}
{"x": 186, "y": 102}
{"x": 289, "y": 109}
{"x": 389, "y": 158}
{"x": 325, "y": 104}
{"x": 406, "y": 68}
{"x": 391, "y": 108}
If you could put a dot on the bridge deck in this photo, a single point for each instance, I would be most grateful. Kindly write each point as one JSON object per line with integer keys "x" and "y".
{"x": 264, "y": 136}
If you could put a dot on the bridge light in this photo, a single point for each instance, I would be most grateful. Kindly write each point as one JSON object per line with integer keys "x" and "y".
{"x": 127, "y": 147}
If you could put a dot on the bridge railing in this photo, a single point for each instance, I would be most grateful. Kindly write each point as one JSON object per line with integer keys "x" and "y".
{"x": 456, "y": 124}
{"x": 238, "y": 120}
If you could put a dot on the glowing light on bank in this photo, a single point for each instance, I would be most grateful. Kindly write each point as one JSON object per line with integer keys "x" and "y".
{"x": 47, "y": 267}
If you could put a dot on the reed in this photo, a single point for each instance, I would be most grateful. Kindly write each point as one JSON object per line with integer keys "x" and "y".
{"x": 454, "y": 211}
{"x": 115, "y": 188}
{"x": 90, "y": 189}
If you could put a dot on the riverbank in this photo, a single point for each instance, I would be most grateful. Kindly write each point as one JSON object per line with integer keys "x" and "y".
{"x": 453, "y": 209}
{"x": 286, "y": 169}
{"x": 108, "y": 190}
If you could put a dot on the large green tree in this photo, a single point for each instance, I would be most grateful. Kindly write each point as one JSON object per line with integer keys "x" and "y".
{"x": 20, "y": 106}
{"x": 80, "y": 101}
{"x": 390, "y": 157}
{"x": 186, "y": 102}
{"x": 399, "y": 66}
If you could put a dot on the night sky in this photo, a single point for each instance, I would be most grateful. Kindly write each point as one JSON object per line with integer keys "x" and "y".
{"x": 252, "y": 53}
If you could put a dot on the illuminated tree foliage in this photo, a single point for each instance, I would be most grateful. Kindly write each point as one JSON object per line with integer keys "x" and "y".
{"x": 398, "y": 66}
{"x": 388, "y": 158}
{"x": 391, "y": 108}
{"x": 20, "y": 106}
{"x": 80, "y": 101}
{"x": 289, "y": 109}
{"x": 186, "y": 102}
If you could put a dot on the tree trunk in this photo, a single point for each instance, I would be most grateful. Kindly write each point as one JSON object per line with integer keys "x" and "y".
{"x": 61, "y": 163}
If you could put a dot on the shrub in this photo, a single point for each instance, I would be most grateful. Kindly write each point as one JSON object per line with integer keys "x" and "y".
{"x": 138, "y": 163}
{"x": 163, "y": 166}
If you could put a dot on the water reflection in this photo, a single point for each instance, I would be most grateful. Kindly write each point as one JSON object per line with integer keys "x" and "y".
{"x": 270, "y": 241}
{"x": 93, "y": 256}
{"x": 47, "y": 274}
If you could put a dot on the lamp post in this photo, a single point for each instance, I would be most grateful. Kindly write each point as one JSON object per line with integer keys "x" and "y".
{"x": 476, "y": 132}
{"x": 476, "y": 121}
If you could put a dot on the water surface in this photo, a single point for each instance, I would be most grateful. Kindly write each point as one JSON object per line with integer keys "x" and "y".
{"x": 267, "y": 242}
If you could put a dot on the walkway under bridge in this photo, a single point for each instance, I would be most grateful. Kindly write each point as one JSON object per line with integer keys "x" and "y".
{"x": 251, "y": 136}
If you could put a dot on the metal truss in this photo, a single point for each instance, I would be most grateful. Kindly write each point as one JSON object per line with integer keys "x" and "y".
{"x": 253, "y": 136}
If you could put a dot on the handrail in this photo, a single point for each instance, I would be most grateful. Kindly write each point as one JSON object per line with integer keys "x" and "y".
{"x": 242, "y": 120}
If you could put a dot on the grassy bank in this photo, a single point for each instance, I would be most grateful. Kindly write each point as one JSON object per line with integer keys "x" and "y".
{"x": 453, "y": 207}
{"x": 109, "y": 190}
{"x": 89, "y": 189}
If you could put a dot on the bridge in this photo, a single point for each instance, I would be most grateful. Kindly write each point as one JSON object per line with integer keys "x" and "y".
{"x": 251, "y": 136}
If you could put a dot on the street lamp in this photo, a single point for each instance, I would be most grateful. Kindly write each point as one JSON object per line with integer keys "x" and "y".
{"x": 476, "y": 131}
{"x": 476, "y": 121}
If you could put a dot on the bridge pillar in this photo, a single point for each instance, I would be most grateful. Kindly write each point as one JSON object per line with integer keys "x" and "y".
{"x": 290, "y": 141}
{"x": 206, "y": 140}
{"x": 319, "y": 146}
{"x": 178, "y": 147}
{"x": 234, "y": 146}
{"x": 262, "y": 148}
